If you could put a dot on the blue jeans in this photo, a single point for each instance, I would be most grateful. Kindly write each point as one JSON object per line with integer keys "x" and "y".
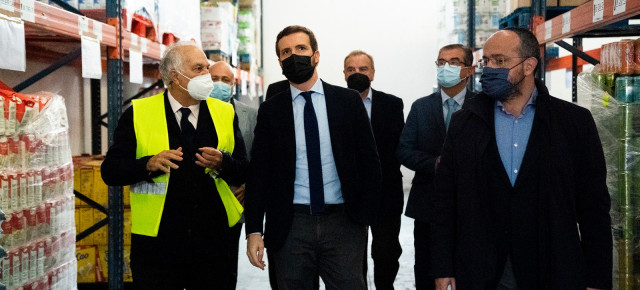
{"x": 331, "y": 245}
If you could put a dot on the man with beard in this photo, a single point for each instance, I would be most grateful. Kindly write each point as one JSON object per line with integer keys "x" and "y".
{"x": 521, "y": 200}
{"x": 421, "y": 144}
{"x": 315, "y": 172}
{"x": 387, "y": 119}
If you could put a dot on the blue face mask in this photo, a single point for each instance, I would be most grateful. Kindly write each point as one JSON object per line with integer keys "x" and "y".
{"x": 449, "y": 75}
{"x": 495, "y": 82}
{"x": 221, "y": 91}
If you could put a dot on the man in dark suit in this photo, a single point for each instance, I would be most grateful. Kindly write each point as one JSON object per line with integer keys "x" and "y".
{"x": 315, "y": 171}
{"x": 421, "y": 143}
{"x": 177, "y": 151}
{"x": 387, "y": 119}
{"x": 521, "y": 199}
{"x": 275, "y": 88}
{"x": 224, "y": 81}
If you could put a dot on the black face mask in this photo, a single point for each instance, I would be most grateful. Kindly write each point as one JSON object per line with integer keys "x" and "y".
{"x": 297, "y": 68}
{"x": 358, "y": 82}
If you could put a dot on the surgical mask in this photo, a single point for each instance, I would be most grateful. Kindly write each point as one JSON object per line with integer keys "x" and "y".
{"x": 359, "y": 82}
{"x": 449, "y": 75}
{"x": 221, "y": 91}
{"x": 199, "y": 87}
{"x": 495, "y": 82}
{"x": 297, "y": 68}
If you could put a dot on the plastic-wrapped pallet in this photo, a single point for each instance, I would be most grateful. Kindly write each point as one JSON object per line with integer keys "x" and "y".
{"x": 217, "y": 29}
{"x": 36, "y": 193}
{"x": 617, "y": 117}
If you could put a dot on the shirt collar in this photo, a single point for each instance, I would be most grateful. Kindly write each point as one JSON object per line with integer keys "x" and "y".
{"x": 317, "y": 88}
{"x": 369, "y": 95}
{"x": 176, "y": 106}
{"x": 459, "y": 98}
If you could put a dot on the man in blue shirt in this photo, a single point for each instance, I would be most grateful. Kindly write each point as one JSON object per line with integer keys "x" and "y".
{"x": 315, "y": 172}
{"x": 521, "y": 200}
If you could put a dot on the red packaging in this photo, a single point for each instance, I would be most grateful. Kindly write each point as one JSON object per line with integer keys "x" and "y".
{"x": 41, "y": 217}
{"x": 41, "y": 258}
{"x": 637, "y": 54}
{"x": 24, "y": 263}
{"x": 627, "y": 51}
{"x": 17, "y": 231}
{"x": 15, "y": 258}
{"x": 14, "y": 150}
{"x": 32, "y": 223}
{"x": 33, "y": 261}
{"x": 7, "y": 230}
{"x": 23, "y": 188}
{"x": 4, "y": 151}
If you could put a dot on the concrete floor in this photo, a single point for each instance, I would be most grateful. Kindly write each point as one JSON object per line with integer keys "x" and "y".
{"x": 251, "y": 278}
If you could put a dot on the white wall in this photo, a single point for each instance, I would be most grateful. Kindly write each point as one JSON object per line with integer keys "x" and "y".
{"x": 401, "y": 37}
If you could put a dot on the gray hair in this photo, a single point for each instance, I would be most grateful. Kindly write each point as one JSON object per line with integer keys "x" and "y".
{"x": 172, "y": 60}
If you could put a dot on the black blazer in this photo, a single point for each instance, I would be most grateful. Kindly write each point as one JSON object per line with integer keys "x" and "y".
{"x": 387, "y": 120}
{"x": 420, "y": 145}
{"x": 560, "y": 239}
{"x": 270, "y": 186}
{"x": 193, "y": 219}
{"x": 275, "y": 88}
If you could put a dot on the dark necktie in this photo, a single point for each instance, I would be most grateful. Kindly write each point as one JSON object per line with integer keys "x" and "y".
{"x": 312, "y": 138}
{"x": 188, "y": 131}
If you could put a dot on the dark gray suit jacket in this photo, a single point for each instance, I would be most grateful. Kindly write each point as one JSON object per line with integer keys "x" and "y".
{"x": 420, "y": 145}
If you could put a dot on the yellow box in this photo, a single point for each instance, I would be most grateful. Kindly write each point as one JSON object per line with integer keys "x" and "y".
{"x": 127, "y": 227}
{"x": 102, "y": 253}
{"x": 100, "y": 236}
{"x": 126, "y": 198}
{"x": 86, "y": 221}
{"x": 87, "y": 262}
{"x": 86, "y": 182}
{"x": 100, "y": 189}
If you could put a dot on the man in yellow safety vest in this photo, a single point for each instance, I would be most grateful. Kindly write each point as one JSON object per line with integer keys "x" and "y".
{"x": 179, "y": 151}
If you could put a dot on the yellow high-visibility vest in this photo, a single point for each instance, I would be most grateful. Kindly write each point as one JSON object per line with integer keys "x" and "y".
{"x": 152, "y": 137}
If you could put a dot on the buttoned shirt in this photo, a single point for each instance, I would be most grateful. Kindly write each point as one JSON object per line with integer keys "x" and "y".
{"x": 512, "y": 135}
{"x": 332, "y": 186}
{"x": 367, "y": 102}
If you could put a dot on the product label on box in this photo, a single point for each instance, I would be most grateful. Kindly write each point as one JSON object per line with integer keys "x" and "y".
{"x": 547, "y": 29}
{"x": 566, "y": 22}
{"x": 619, "y": 6}
{"x": 7, "y": 5}
{"x": 27, "y": 10}
{"x": 598, "y": 10}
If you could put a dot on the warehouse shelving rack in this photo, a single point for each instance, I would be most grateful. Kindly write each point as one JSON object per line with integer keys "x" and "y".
{"x": 62, "y": 27}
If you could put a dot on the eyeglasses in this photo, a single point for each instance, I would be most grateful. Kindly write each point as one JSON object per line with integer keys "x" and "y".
{"x": 454, "y": 61}
{"x": 499, "y": 61}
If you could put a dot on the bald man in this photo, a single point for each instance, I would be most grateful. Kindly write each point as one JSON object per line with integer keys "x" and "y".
{"x": 223, "y": 83}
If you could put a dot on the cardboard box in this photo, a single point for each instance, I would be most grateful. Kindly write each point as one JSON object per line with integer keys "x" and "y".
{"x": 103, "y": 256}
{"x": 571, "y": 2}
{"x": 126, "y": 196}
{"x": 515, "y": 4}
{"x": 85, "y": 222}
{"x": 86, "y": 182}
{"x": 100, "y": 236}
{"x": 100, "y": 189}
{"x": 127, "y": 227}
{"x": 88, "y": 264}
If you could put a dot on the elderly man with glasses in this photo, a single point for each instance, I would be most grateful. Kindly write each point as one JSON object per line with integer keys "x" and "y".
{"x": 520, "y": 199}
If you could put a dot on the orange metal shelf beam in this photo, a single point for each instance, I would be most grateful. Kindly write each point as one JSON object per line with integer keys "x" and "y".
{"x": 582, "y": 20}
{"x": 565, "y": 62}
{"x": 65, "y": 23}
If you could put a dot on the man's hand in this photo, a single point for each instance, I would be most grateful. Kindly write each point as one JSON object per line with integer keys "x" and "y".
{"x": 239, "y": 193}
{"x": 255, "y": 250}
{"x": 210, "y": 158}
{"x": 443, "y": 283}
{"x": 162, "y": 160}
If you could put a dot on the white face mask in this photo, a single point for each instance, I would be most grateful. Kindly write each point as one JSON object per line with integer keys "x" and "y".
{"x": 199, "y": 87}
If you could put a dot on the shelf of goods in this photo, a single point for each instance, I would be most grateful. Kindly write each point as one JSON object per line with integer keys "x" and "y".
{"x": 37, "y": 243}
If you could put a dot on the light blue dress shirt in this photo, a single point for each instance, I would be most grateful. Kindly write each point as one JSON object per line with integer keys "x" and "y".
{"x": 459, "y": 98}
{"x": 367, "y": 102}
{"x": 332, "y": 186}
{"x": 512, "y": 135}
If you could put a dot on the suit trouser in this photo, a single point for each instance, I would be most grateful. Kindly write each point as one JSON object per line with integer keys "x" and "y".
{"x": 331, "y": 245}
{"x": 385, "y": 251}
{"x": 273, "y": 280}
{"x": 232, "y": 264}
{"x": 422, "y": 244}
